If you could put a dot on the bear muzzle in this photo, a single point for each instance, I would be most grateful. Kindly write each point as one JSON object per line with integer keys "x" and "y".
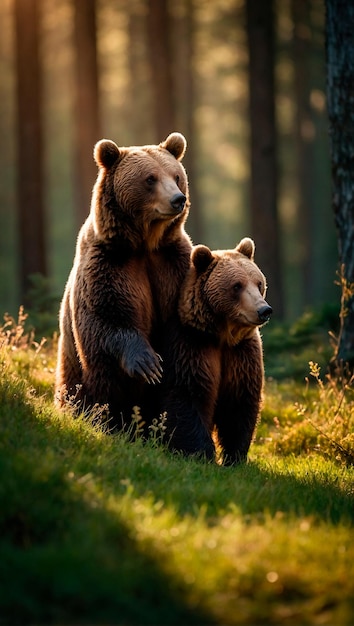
{"x": 177, "y": 202}
{"x": 264, "y": 313}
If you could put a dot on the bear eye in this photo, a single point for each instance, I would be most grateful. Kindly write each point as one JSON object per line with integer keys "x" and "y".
{"x": 260, "y": 287}
{"x": 151, "y": 180}
{"x": 237, "y": 287}
{"x": 177, "y": 179}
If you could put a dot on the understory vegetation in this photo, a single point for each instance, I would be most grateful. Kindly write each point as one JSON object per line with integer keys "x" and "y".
{"x": 98, "y": 529}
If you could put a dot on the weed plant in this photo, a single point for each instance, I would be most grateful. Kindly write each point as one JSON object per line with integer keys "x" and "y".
{"x": 103, "y": 529}
{"x": 323, "y": 422}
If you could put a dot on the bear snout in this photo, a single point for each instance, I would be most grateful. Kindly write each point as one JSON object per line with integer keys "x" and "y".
{"x": 177, "y": 202}
{"x": 264, "y": 313}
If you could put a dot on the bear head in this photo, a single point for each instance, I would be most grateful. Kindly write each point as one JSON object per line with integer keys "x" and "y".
{"x": 140, "y": 191}
{"x": 224, "y": 293}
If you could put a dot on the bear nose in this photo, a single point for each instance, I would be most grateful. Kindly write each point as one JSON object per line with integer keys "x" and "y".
{"x": 178, "y": 201}
{"x": 264, "y": 313}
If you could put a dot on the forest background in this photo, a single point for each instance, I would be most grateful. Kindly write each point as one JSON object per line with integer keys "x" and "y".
{"x": 91, "y": 527}
{"x": 135, "y": 70}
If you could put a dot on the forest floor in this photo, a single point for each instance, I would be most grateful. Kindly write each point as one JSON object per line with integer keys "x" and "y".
{"x": 98, "y": 530}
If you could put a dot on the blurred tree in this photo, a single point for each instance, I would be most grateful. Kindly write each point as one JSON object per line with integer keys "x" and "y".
{"x": 161, "y": 64}
{"x": 303, "y": 132}
{"x": 31, "y": 220}
{"x": 264, "y": 173}
{"x": 138, "y": 102}
{"x": 216, "y": 100}
{"x": 185, "y": 88}
{"x": 340, "y": 96}
{"x": 87, "y": 118}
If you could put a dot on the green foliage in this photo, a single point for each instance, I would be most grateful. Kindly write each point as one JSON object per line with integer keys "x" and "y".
{"x": 96, "y": 529}
{"x": 288, "y": 347}
{"x": 43, "y": 314}
{"x": 324, "y": 421}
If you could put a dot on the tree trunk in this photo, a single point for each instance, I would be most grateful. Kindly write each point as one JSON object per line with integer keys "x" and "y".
{"x": 184, "y": 45}
{"x": 158, "y": 30}
{"x": 340, "y": 97}
{"x": 87, "y": 119}
{"x": 31, "y": 218}
{"x": 138, "y": 103}
{"x": 264, "y": 183}
{"x": 303, "y": 132}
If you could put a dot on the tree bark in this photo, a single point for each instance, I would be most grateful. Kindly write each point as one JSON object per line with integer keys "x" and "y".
{"x": 264, "y": 183}
{"x": 31, "y": 215}
{"x": 158, "y": 30}
{"x": 87, "y": 118}
{"x": 340, "y": 97}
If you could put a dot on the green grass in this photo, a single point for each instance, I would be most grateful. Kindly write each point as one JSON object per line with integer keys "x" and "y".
{"x": 97, "y": 530}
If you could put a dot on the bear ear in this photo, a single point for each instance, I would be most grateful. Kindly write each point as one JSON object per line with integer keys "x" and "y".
{"x": 246, "y": 247}
{"x": 106, "y": 153}
{"x": 176, "y": 145}
{"x": 201, "y": 257}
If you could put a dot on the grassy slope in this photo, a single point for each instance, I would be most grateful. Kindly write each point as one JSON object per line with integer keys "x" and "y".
{"x": 96, "y": 530}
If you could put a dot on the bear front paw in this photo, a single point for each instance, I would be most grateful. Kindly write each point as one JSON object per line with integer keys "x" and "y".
{"x": 146, "y": 364}
{"x": 150, "y": 368}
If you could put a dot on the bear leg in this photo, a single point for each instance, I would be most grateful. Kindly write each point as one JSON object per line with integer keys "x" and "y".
{"x": 189, "y": 390}
{"x": 235, "y": 421}
{"x": 187, "y": 427}
{"x": 68, "y": 378}
{"x": 239, "y": 401}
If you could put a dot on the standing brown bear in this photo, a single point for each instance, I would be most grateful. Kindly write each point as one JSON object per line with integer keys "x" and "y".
{"x": 131, "y": 256}
{"x": 213, "y": 374}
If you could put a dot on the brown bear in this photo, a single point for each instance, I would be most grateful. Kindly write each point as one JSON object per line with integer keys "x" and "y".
{"x": 213, "y": 372}
{"x": 131, "y": 256}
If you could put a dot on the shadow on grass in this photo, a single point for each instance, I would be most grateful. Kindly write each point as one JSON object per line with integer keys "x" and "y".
{"x": 311, "y": 495}
{"x": 267, "y": 486}
{"x": 64, "y": 558}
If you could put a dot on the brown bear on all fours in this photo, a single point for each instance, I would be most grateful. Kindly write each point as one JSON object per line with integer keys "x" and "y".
{"x": 213, "y": 370}
{"x": 131, "y": 257}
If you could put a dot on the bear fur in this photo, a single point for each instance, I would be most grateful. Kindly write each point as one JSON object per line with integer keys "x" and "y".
{"x": 131, "y": 256}
{"x": 213, "y": 374}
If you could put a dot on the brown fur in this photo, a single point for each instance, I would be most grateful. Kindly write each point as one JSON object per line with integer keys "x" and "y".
{"x": 214, "y": 373}
{"x": 113, "y": 301}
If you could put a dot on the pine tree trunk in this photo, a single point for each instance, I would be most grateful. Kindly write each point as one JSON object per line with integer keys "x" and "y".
{"x": 183, "y": 58}
{"x": 87, "y": 121}
{"x": 159, "y": 45}
{"x": 340, "y": 96}
{"x": 300, "y": 10}
{"x": 31, "y": 219}
{"x": 264, "y": 183}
